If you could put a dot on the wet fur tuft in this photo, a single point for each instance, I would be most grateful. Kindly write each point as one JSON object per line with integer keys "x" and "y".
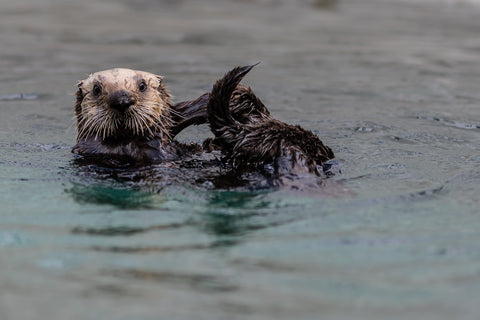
{"x": 252, "y": 138}
{"x": 218, "y": 107}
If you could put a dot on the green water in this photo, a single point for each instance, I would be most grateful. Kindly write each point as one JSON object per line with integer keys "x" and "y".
{"x": 391, "y": 86}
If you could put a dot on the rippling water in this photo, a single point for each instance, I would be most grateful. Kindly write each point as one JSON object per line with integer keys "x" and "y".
{"x": 391, "y": 86}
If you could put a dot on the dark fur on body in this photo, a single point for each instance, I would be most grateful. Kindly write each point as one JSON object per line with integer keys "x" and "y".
{"x": 252, "y": 138}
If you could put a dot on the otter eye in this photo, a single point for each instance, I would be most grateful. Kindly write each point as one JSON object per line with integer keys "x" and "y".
{"x": 142, "y": 86}
{"x": 97, "y": 90}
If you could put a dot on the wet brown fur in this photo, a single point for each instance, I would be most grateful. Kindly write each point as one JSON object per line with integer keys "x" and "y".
{"x": 251, "y": 137}
{"x": 144, "y": 130}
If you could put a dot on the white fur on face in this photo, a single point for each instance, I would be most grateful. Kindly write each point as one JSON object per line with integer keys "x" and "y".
{"x": 147, "y": 116}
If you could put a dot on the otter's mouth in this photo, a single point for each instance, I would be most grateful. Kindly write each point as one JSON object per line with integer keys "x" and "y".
{"x": 133, "y": 122}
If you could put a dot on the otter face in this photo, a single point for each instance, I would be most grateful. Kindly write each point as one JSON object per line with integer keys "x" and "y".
{"x": 122, "y": 103}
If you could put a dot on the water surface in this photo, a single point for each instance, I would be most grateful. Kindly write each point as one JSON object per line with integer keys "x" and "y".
{"x": 391, "y": 86}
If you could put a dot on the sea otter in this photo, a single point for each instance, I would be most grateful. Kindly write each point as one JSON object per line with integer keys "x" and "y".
{"x": 251, "y": 138}
{"x": 128, "y": 115}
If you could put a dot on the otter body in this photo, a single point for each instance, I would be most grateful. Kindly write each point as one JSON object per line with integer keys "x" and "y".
{"x": 251, "y": 137}
{"x": 127, "y": 115}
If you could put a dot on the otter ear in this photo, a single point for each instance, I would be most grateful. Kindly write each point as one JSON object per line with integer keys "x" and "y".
{"x": 163, "y": 90}
{"x": 160, "y": 81}
{"x": 79, "y": 99}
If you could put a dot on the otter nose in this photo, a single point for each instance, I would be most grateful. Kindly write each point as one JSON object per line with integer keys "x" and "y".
{"x": 121, "y": 100}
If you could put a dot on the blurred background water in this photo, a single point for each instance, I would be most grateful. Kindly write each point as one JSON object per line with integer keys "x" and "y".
{"x": 391, "y": 86}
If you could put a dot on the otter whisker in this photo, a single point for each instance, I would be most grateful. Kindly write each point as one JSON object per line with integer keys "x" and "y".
{"x": 104, "y": 132}
{"x": 146, "y": 126}
{"x": 134, "y": 123}
{"x": 143, "y": 124}
{"x": 137, "y": 125}
{"x": 110, "y": 127}
{"x": 98, "y": 126}
{"x": 88, "y": 127}
{"x": 157, "y": 125}
{"x": 129, "y": 123}
{"x": 177, "y": 113}
{"x": 140, "y": 117}
{"x": 116, "y": 125}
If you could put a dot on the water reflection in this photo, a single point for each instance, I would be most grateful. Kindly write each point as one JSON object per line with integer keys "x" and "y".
{"x": 120, "y": 197}
{"x": 231, "y": 216}
{"x": 238, "y": 200}
{"x": 227, "y": 217}
{"x": 110, "y": 231}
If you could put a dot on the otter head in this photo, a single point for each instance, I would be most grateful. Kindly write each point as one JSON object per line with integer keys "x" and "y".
{"x": 119, "y": 104}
